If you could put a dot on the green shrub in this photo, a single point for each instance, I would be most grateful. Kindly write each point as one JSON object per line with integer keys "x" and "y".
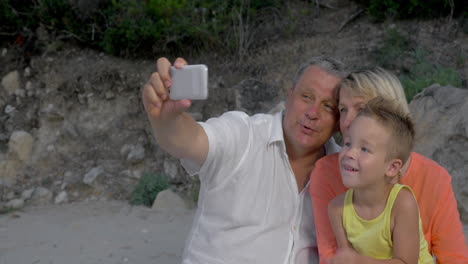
{"x": 398, "y": 53}
{"x": 382, "y": 9}
{"x": 423, "y": 75}
{"x": 395, "y": 47}
{"x": 147, "y": 188}
{"x": 135, "y": 27}
{"x": 194, "y": 191}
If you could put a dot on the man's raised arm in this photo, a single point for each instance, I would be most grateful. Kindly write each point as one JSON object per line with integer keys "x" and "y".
{"x": 174, "y": 129}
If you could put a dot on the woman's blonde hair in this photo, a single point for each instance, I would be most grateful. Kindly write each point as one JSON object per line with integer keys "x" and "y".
{"x": 373, "y": 82}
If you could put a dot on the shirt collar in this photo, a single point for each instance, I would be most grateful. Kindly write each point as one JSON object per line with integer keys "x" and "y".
{"x": 276, "y": 133}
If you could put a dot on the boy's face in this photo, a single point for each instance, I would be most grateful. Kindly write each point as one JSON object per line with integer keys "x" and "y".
{"x": 363, "y": 158}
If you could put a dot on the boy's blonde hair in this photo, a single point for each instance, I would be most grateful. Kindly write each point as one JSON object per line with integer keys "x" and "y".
{"x": 389, "y": 114}
{"x": 373, "y": 82}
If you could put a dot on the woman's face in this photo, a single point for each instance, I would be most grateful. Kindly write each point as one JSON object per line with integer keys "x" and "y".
{"x": 349, "y": 106}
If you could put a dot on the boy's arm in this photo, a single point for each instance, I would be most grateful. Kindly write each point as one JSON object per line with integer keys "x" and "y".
{"x": 345, "y": 253}
{"x": 405, "y": 234}
{"x": 335, "y": 213}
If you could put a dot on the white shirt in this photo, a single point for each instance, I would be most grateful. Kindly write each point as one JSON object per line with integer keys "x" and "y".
{"x": 249, "y": 207}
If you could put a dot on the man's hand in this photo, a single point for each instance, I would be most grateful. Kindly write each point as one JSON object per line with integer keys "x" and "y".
{"x": 155, "y": 94}
{"x": 345, "y": 256}
{"x": 174, "y": 130}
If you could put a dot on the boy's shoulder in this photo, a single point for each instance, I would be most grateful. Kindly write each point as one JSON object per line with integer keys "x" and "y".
{"x": 405, "y": 200}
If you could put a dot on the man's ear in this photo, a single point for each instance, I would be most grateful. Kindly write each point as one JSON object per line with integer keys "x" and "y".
{"x": 290, "y": 90}
{"x": 393, "y": 167}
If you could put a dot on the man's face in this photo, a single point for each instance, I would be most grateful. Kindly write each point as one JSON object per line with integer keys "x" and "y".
{"x": 310, "y": 117}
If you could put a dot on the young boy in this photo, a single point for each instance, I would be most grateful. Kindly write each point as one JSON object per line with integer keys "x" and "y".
{"x": 377, "y": 219}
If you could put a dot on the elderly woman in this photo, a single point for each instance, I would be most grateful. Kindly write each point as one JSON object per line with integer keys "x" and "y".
{"x": 430, "y": 182}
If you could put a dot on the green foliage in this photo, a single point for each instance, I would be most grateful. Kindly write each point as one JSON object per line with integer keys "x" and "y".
{"x": 382, "y": 9}
{"x": 13, "y": 15}
{"x": 7, "y": 210}
{"x": 147, "y": 188}
{"x": 194, "y": 191}
{"x": 55, "y": 13}
{"x": 128, "y": 27}
{"x": 395, "y": 47}
{"x": 424, "y": 74}
{"x": 398, "y": 53}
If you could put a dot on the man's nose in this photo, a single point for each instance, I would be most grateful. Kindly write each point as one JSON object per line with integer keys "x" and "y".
{"x": 312, "y": 111}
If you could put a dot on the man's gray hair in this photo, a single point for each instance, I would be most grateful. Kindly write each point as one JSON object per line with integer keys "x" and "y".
{"x": 328, "y": 64}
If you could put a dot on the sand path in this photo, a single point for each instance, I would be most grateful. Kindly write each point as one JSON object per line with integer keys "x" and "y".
{"x": 94, "y": 232}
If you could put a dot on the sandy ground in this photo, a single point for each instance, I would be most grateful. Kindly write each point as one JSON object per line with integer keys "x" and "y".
{"x": 95, "y": 232}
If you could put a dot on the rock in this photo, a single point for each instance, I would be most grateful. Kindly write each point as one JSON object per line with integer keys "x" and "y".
{"x": 10, "y": 195}
{"x": 9, "y": 109}
{"x": 8, "y": 172}
{"x": 2, "y": 101}
{"x": 92, "y": 175}
{"x": 168, "y": 199}
{"x": 125, "y": 150}
{"x": 41, "y": 196}
{"x": 136, "y": 154}
{"x": 137, "y": 173}
{"x": 52, "y": 113}
{"x": 20, "y": 145}
{"x": 20, "y": 93}
{"x": 62, "y": 197}
{"x": 171, "y": 169}
{"x": 15, "y": 204}
{"x": 29, "y": 86}
{"x": 441, "y": 123}
{"x": 277, "y": 108}
{"x": 42, "y": 34}
{"x": 69, "y": 129}
{"x": 11, "y": 82}
{"x": 27, "y": 72}
{"x": 71, "y": 178}
{"x": 109, "y": 95}
{"x": 256, "y": 97}
{"x": 27, "y": 194}
{"x": 126, "y": 173}
{"x": 197, "y": 116}
{"x": 53, "y": 80}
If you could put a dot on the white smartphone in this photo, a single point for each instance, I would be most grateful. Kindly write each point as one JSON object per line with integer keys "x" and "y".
{"x": 189, "y": 82}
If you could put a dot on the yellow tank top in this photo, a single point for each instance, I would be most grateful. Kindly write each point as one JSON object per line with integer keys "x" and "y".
{"x": 373, "y": 238}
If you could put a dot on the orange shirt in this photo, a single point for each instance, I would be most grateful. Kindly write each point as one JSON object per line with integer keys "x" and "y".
{"x": 432, "y": 187}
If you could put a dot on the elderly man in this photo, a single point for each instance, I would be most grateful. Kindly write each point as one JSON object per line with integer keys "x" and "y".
{"x": 254, "y": 206}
